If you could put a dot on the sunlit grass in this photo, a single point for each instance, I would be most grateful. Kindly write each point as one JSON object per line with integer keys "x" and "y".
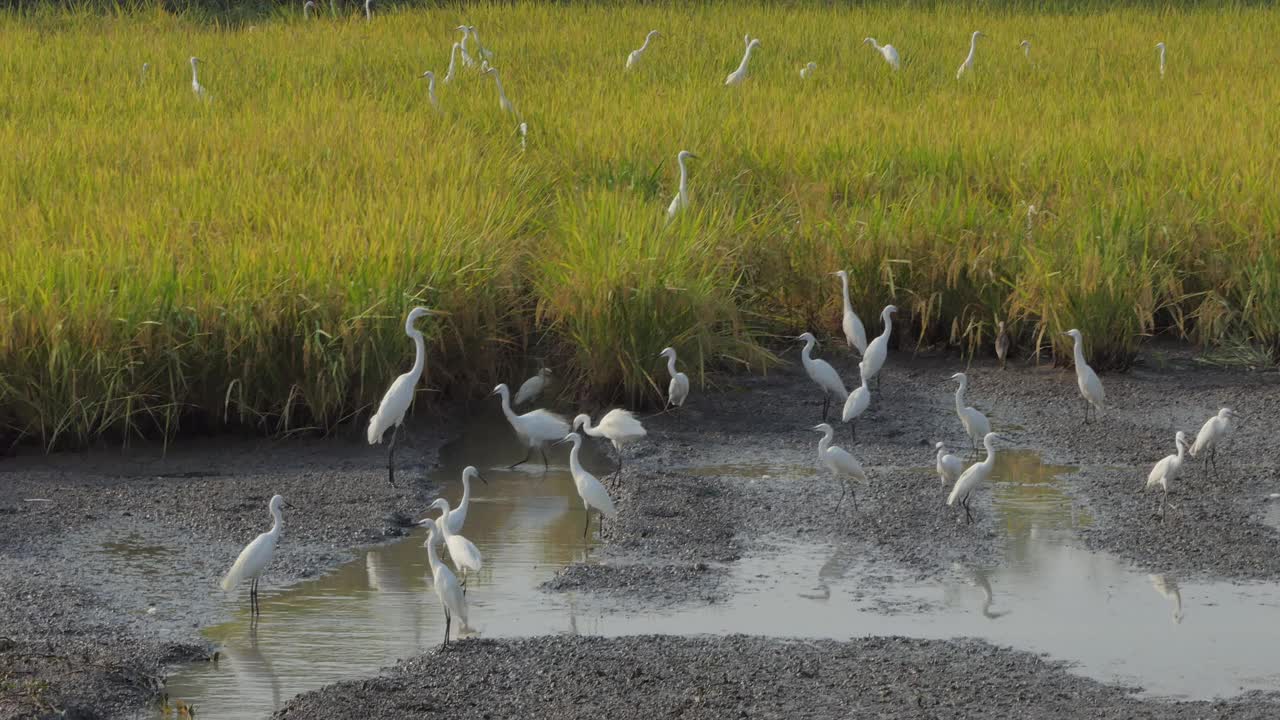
{"x": 174, "y": 264}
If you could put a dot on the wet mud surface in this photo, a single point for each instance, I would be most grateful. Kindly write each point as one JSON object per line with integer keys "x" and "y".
{"x": 731, "y": 474}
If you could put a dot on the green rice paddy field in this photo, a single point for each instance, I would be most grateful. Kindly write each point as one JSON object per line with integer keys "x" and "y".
{"x": 174, "y": 264}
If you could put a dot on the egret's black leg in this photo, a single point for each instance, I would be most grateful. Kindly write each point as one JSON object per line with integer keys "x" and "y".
{"x": 546, "y": 464}
{"x": 586, "y": 526}
{"x": 826, "y": 405}
{"x": 391, "y": 456}
{"x": 853, "y": 431}
{"x": 525, "y": 460}
{"x": 844, "y": 489}
{"x": 447, "y": 621}
{"x": 854, "y": 495}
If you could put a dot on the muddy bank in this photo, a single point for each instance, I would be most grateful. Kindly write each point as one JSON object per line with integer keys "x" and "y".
{"x": 87, "y": 636}
{"x": 739, "y": 676}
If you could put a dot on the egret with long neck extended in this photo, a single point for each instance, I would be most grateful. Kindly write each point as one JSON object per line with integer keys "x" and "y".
{"x": 822, "y": 374}
{"x": 196, "y": 87}
{"x": 453, "y": 63}
{"x": 878, "y": 350}
{"x": 967, "y": 65}
{"x": 467, "y": 60}
{"x": 843, "y": 466}
{"x": 976, "y": 425}
{"x": 594, "y": 495}
{"x": 446, "y": 585}
{"x": 535, "y": 428}
{"x": 854, "y": 333}
{"x": 395, "y": 403}
{"x": 970, "y": 479}
{"x": 678, "y": 389}
{"x": 1090, "y": 386}
{"x": 1211, "y": 434}
{"x": 466, "y": 557}
{"x": 1026, "y": 49}
{"x": 1160, "y": 47}
{"x": 681, "y": 200}
{"x": 1168, "y": 469}
{"x": 503, "y": 102}
{"x": 256, "y": 556}
{"x": 431, "y": 87}
{"x": 634, "y": 58}
{"x": 737, "y": 76}
{"x": 619, "y": 426}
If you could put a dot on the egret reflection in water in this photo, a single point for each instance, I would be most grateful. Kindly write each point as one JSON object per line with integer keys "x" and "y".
{"x": 1168, "y": 588}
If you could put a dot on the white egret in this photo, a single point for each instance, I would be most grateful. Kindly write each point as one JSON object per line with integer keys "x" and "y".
{"x": 737, "y": 76}
{"x": 842, "y": 465}
{"x": 333, "y": 8}
{"x": 524, "y": 135}
{"x": 1090, "y": 386}
{"x": 889, "y": 52}
{"x": 808, "y": 69}
{"x": 1002, "y": 344}
{"x": 142, "y": 80}
{"x": 480, "y": 48}
{"x": 1215, "y": 429}
{"x": 467, "y": 60}
{"x": 307, "y": 8}
{"x": 678, "y": 389}
{"x": 196, "y": 87}
{"x": 431, "y": 87}
{"x": 976, "y": 425}
{"x": 453, "y": 62}
{"x": 634, "y": 58}
{"x": 854, "y": 333}
{"x": 681, "y": 200}
{"x": 532, "y": 388}
{"x": 593, "y": 494}
{"x": 970, "y": 479}
{"x": 256, "y": 556}
{"x": 457, "y": 517}
{"x": 535, "y": 428}
{"x": 949, "y": 467}
{"x": 446, "y": 585}
{"x": 368, "y": 10}
{"x": 858, "y": 402}
{"x": 464, "y": 553}
{"x": 878, "y": 349}
{"x": 618, "y": 426}
{"x": 1169, "y": 468}
{"x": 973, "y": 50}
{"x": 503, "y": 102}
{"x": 1168, "y": 589}
{"x": 1160, "y": 47}
{"x": 399, "y": 396}
{"x": 821, "y": 373}
{"x": 1026, "y": 48}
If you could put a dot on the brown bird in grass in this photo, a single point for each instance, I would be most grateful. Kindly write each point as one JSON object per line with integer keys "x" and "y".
{"x": 1002, "y": 344}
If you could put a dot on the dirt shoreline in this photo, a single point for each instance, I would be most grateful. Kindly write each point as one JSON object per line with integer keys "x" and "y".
{"x": 734, "y": 466}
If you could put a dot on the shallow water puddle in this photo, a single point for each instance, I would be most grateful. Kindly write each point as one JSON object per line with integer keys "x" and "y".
{"x": 1114, "y": 623}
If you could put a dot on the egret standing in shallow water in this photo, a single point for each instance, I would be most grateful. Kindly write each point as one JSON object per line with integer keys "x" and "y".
{"x": 1090, "y": 386}
{"x": 681, "y": 200}
{"x": 634, "y": 58}
{"x": 678, "y": 390}
{"x": 821, "y": 373}
{"x": 889, "y": 52}
{"x": 463, "y": 552}
{"x": 976, "y": 425}
{"x": 593, "y": 494}
{"x": 737, "y": 76}
{"x": 807, "y": 70}
{"x": 1169, "y": 468}
{"x": 1160, "y": 47}
{"x": 858, "y": 402}
{"x": 196, "y": 87}
{"x": 454, "y": 519}
{"x": 854, "y": 333}
{"x": 535, "y": 428}
{"x": 431, "y": 87}
{"x": 532, "y": 388}
{"x": 618, "y": 426}
{"x": 970, "y": 479}
{"x": 1211, "y": 433}
{"x": 256, "y": 556}
{"x": 446, "y": 585}
{"x": 967, "y": 65}
{"x": 949, "y": 467}
{"x": 878, "y": 350}
{"x": 842, "y": 465}
{"x": 400, "y": 395}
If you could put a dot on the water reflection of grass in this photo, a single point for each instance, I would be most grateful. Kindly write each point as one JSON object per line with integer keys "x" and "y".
{"x": 1028, "y": 496}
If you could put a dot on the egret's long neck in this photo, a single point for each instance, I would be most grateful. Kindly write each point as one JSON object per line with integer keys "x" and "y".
{"x": 844, "y": 284}
{"x": 684, "y": 178}
{"x": 960, "y": 394}
{"x": 419, "y": 350}
{"x": 1078, "y": 350}
{"x": 875, "y": 44}
{"x": 506, "y": 408}
{"x": 647, "y": 38}
{"x": 807, "y": 352}
{"x": 195, "y": 78}
{"x": 444, "y": 520}
{"x": 825, "y": 442}
{"x": 431, "y": 555}
{"x": 588, "y": 428}
{"x": 1182, "y": 448}
{"x": 465, "y": 35}
{"x": 498, "y": 81}
{"x": 277, "y": 521}
{"x": 973, "y": 46}
{"x": 991, "y": 454}
{"x": 466, "y": 491}
{"x": 887, "y": 319}
{"x": 574, "y": 463}
{"x": 671, "y": 365}
{"x": 431, "y": 87}
{"x": 745, "y": 57}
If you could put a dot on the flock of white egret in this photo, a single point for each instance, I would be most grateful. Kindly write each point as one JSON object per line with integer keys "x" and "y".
{"x": 538, "y": 428}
